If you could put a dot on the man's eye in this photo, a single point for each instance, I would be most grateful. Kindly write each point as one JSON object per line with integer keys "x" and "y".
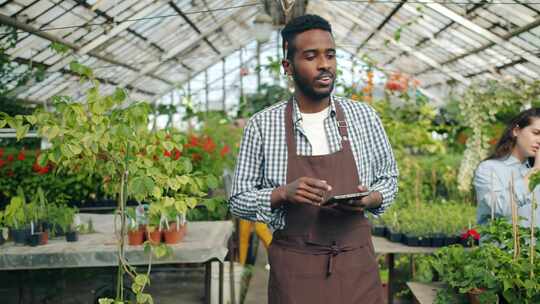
{"x": 310, "y": 58}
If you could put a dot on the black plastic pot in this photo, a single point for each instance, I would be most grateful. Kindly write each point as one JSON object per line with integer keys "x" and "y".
{"x": 45, "y": 226}
{"x": 379, "y": 230}
{"x": 425, "y": 241}
{"x": 395, "y": 236}
{"x": 72, "y": 236}
{"x": 35, "y": 239}
{"x": 412, "y": 240}
{"x": 20, "y": 236}
{"x": 451, "y": 240}
{"x": 438, "y": 240}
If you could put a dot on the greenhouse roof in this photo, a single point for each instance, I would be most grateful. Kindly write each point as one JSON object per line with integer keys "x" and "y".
{"x": 155, "y": 47}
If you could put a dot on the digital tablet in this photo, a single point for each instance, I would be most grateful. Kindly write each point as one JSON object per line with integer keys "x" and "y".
{"x": 346, "y": 198}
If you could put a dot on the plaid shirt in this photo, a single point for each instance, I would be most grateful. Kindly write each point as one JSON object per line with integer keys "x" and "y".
{"x": 262, "y": 161}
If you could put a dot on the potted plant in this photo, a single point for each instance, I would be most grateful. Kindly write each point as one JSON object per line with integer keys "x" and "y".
{"x": 16, "y": 219}
{"x": 135, "y": 229}
{"x": 66, "y": 221}
{"x": 175, "y": 226}
{"x": 394, "y": 233}
{"x": 154, "y": 228}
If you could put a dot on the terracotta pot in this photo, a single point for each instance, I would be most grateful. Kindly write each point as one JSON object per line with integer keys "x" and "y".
{"x": 473, "y": 295}
{"x": 44, "y": 237}
{"x": 174, "y": 235}
{"x": 135, "y": 237}
{"x": 154, "y": 237}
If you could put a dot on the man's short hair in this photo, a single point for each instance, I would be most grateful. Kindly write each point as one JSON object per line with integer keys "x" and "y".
{"x": 299, "y": 25}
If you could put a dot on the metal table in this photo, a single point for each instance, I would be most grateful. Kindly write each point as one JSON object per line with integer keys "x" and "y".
{"x": 204, "y": 242}
{"x": 384, "y": 246}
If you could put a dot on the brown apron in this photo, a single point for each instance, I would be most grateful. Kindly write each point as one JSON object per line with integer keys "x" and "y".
{"x": 323, "y": 255}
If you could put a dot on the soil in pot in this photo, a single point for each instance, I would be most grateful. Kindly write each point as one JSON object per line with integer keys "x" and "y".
{"x": 135, "y": 237}
{"x": 395, "y": 236}
{"x": 72, "y": 236}
{"x": 35, "y": 239}
{"x": 154, "y": 237}
{"x": 174, "y": 234}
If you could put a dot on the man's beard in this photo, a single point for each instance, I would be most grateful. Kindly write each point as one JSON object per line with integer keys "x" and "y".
{"x": 308, "y": 90}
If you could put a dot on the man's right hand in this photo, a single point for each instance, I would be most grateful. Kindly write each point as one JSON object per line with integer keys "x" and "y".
{"x": 305, "y": 190}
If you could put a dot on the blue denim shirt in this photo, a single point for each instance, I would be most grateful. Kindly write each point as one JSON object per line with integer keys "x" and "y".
{"x": 492, "y": 184}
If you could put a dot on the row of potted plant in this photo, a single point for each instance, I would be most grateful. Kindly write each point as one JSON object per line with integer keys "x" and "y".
{"x": 502, "y": 269}
{"x": 33, "y": 222}
{"x": 428, "y": 225}
{"x": 154, "y": 227}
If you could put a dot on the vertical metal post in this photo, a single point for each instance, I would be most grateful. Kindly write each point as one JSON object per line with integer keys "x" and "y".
{"x": 206, "y": 90}
{"x": 224, "y": 82}
{"x": 258, "y": 66}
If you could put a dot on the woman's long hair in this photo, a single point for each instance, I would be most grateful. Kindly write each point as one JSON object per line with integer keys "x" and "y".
{"x": 507, "y": 142}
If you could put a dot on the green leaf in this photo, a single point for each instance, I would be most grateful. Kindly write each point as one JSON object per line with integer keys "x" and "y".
{"x": 22, "y": 131}
{"x": 211, "y": 181}
{"x": 31, "y": 119}
{"x": 191, "y": 202}
{"x": 119, "y": 95}
{"x": 42, "y": 159}
{"x": 397, "y": 34}
{"x": 75, "y": 149}
{"x": 105, "y": 301}
{"x": 168, "y": 145}
{"x": 141, "y": 279}
{"x": 142, "y": 186}
{"x": 157, "y": 192}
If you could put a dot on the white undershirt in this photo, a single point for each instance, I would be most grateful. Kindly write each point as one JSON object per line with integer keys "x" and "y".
{"x": 313, "y": 126}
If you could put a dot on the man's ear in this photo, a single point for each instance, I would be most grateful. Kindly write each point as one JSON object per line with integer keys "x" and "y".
{"x": 286, "y": 66}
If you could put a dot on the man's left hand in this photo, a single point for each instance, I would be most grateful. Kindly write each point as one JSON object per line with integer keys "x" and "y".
{"x": 373, "y": 200}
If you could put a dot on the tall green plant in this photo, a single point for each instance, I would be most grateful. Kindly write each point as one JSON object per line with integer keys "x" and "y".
{"x": 108, "y": 135}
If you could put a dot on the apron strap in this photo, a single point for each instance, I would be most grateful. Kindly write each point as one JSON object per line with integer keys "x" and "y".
{"x": 341, "y": 124}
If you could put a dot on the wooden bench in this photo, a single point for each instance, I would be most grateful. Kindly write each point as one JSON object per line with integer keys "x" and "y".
{"x": 424, "y": 293}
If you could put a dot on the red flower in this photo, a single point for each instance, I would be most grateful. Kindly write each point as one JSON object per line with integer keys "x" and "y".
{"x": 177, "y": 154}
{"x": 196, "y": 156}
{"x": 44, "y": 170}
{"x": 36, "y": 167}
{"x": 21, "y": 155}
{"x": 209, "y": 145}
{"x": 2, "y": 163}
{"x": 167, "y": 153}
{"x": 193, "y": 141}
{"x": 470, "y": 233}
{"x": 1, "y": 152}
{"x": 10, "y": 158}
{"x": 224, "y": 151}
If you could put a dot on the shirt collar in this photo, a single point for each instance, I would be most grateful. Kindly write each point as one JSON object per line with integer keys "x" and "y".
{"x": 512, "y": 160}
{"x": 297, "y": 117}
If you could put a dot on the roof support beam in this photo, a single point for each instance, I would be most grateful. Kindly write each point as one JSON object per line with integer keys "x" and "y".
{"x": 179, "y": 12}
{"x": 30, "y": 29}
{"x": 175, "y": 51}
{"x": 402, "y": 46}
{"x": 513, "y": 33}
{"x": 444, "y": 11}
{"x": 383, "y": 23}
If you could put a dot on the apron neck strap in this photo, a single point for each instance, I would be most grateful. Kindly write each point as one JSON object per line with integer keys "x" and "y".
{"x": 291, "y": 142}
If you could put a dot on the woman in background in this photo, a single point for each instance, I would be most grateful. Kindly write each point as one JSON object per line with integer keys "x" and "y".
{"x": 517, "y": 157}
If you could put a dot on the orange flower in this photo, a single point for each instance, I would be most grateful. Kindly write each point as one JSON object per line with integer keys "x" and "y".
{"x": 224, "y": 150}
{"x": 209, "y": 145}
{"x": 177, "y": 154}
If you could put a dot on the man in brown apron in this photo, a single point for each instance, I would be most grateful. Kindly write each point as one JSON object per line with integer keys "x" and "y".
{"x": 324, "y": 253}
